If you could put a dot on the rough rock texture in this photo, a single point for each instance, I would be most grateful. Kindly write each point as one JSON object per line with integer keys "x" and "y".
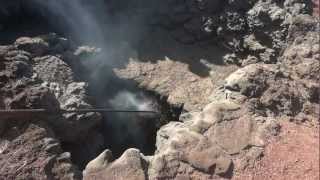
{"x": 131, "y": 165}
{"x": 294, "y": 152}
{"x": 226, "y": 126}
{"x": 34, "y": 76}
{"x": 174, "y": 80}
{"x": 31, "y": 151}
{"x": 54, "y": 74}
{"x": 230, "y": 134}
{"x": 254, "y": 27}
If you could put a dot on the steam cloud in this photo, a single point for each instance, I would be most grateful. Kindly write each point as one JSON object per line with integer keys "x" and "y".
{"x": 88, "y": 22}
{"x": 128, "y": 100}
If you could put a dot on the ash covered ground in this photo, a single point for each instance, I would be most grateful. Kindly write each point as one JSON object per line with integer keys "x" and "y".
{"x": 236, "y": 83}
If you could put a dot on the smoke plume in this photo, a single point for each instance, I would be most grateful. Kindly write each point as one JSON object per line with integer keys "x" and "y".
{"x": 90, "y": 23}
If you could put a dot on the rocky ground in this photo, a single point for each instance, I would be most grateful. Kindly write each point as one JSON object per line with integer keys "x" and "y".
{"x": 33, "y": 76}
{"x": 232, "y": 136}
{"x": 294, "y": 152}
{"x": 246, "y": 75}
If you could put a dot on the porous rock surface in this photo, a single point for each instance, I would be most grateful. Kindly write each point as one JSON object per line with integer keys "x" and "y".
{"x": 175, "y": 81}
{"x": 254, "y": 27}
{"x": 226, "y": 125}
{"x": 33, "y": 75}
{"x": 231, "y": 132}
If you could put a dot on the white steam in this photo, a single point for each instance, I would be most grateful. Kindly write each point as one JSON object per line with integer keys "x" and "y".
{"x": 131, "y": 101}
{"x": 75, "y": 17}
{"x": 87, "y": 22}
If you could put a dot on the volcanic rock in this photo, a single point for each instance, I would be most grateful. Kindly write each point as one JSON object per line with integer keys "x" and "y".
{"x": 36, "y": 46}
{"x": 27, "y": 153}
{"x": 230, "y": 112}
{"x": 131, "y": 165}
{"x": 100, "y": 162}
{"x": 32, "y": 79}
{"x": 232, "y": 130}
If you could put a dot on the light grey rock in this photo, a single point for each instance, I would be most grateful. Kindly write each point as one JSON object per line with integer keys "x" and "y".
{"x": 36, "y": 46}
{"x": 130, "y": 166}
{"x": 100, "y": 162}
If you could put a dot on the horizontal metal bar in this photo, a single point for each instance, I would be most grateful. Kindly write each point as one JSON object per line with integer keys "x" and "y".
{"x": 107, "y": 110}
{"x": 22, "y": 110}
{"x": 74, "y": 111}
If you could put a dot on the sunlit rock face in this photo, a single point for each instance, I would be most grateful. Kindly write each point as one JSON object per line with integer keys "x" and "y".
{"x": 94, "y": 59}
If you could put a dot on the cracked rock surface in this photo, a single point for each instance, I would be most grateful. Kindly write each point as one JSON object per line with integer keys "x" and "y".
{"x": 245, "y": 72}
{"x": 230, "y": 133}
{"x": 34, "y": 76}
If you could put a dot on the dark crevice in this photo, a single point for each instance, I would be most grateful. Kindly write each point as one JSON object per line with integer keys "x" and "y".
{"x": 138, "y": 130}
{"x": 122, "y": 131}
{"x": 119, "y": 131}
{"x": 144, "y": 137}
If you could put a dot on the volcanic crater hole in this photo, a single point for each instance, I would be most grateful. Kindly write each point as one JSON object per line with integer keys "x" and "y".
{"x": 137, "y": 130}
{"x": 121, "y": 131}
{"x": 118, "y": 131}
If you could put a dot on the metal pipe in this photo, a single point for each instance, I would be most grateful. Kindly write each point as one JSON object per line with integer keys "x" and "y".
{"x": 107, "y": 110}
{"x": 101, "y": 110}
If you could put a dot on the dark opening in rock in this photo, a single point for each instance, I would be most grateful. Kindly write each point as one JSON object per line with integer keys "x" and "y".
{"x": 118, "y": 131}
{"x": 139, "y": 130}
{"x": 121, "y": 131}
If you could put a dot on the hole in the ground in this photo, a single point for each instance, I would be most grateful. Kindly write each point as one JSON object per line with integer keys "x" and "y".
{"x": 121, "y": 131}
{"x": 118, "y": 131}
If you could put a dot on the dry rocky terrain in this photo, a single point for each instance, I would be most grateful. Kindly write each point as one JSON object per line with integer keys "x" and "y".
{"x": 243, "y": 74}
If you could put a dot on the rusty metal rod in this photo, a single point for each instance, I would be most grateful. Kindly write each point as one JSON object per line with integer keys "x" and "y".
{"x": 73, "y": 111}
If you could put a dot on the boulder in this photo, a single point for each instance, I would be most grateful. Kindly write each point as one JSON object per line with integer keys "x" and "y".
{"x": 130, "y": 166}
{"x": 100, "y": 162}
